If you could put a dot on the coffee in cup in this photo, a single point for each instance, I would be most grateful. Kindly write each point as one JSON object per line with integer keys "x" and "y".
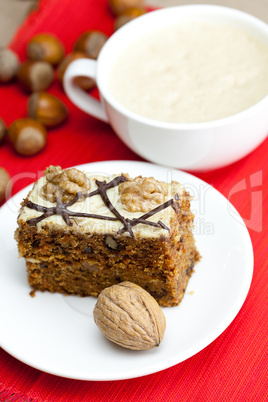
{"x": 209, "y": 133}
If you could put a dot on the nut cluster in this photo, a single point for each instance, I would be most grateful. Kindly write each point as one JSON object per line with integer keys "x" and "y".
{"x": 35, "y": 75}
{"x": 142, "y": 194}
{"x": 63, "y": 184}
{"x": 44, "y": 53}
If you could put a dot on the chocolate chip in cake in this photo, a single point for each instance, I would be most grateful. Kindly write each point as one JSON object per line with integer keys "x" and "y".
{"x": 190, "y": 268}
{"x": 35, "y": 243}
{"x": 88, "y": 250}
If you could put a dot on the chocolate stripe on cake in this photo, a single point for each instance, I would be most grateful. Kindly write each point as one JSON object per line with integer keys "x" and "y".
{"x": 61, "y": 210}
{"x": 66, "y": 214}
{"x": 143, "y": 218}
{"x": 113, "y": 183}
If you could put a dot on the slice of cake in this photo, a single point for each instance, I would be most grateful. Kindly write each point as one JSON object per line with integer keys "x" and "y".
{"x": 80, "y": 233}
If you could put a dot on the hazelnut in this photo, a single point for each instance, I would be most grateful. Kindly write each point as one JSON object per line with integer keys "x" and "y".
{"x": 9, "y": 65}
{"x": 90, "y": 43}
{"x": 120, "y": 6}
{"x": 47, "y": 109}
{"x": 35, "y": 76}
{"x": 127, "y": 16}
{"x": 3, "y": 129}
{"x": 85, "y": 83}
{"x": 4, "y": 180}
{"x": 28, "y": 136}
{"x": 45, "y": 47}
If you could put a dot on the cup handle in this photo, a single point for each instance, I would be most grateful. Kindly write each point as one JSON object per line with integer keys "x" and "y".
{"x": 90, "y": 105}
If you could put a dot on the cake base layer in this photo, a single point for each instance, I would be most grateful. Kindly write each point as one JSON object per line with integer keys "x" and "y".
{"x": 84, "y": 264}
{"x": 80, "y": 234}
{"x": 83, "y": 281}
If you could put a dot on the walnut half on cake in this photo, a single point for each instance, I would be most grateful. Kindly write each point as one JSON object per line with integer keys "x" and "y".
{"x": 80, "y": 233}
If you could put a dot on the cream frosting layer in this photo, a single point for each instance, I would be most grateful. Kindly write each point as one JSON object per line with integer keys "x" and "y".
{"x": 95, "y": 205}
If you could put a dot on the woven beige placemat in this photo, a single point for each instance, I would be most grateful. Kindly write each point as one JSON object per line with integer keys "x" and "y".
{"x": 13, "y": 12}
{"x": 258, "y": 8}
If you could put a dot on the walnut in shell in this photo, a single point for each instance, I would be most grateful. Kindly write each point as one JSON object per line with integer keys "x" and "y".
{"x": 130, "y": 317}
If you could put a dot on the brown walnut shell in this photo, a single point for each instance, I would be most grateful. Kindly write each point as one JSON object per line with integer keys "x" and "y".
{"x": 130, "y": 317}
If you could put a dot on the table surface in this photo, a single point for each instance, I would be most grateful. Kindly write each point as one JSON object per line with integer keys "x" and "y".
{"x": 234, "y": 366}
{"x": 13, "y": 12}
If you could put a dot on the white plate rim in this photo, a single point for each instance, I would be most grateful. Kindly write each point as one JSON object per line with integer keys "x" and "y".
{"x": 149, "y": 369}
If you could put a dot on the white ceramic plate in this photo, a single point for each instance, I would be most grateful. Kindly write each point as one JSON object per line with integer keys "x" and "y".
{"x": 57, "y": 334}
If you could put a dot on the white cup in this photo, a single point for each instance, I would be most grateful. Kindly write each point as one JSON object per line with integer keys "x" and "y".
{"x": 193, "y": 146}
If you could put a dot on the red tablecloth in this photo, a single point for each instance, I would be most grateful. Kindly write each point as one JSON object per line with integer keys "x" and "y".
{"x": 234, "y": 367}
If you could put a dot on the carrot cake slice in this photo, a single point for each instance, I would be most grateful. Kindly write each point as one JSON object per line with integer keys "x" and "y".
{"x": 80, "y": 233}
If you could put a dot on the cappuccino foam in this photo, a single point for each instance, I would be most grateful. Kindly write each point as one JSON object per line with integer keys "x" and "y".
{"x": 191, "y": 72}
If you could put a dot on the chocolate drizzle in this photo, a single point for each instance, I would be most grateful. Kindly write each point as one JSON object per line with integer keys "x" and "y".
{"x": 61, "y": 209}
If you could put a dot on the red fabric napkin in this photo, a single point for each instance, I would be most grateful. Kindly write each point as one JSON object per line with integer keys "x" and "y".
{"x": 234, "y": 366}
